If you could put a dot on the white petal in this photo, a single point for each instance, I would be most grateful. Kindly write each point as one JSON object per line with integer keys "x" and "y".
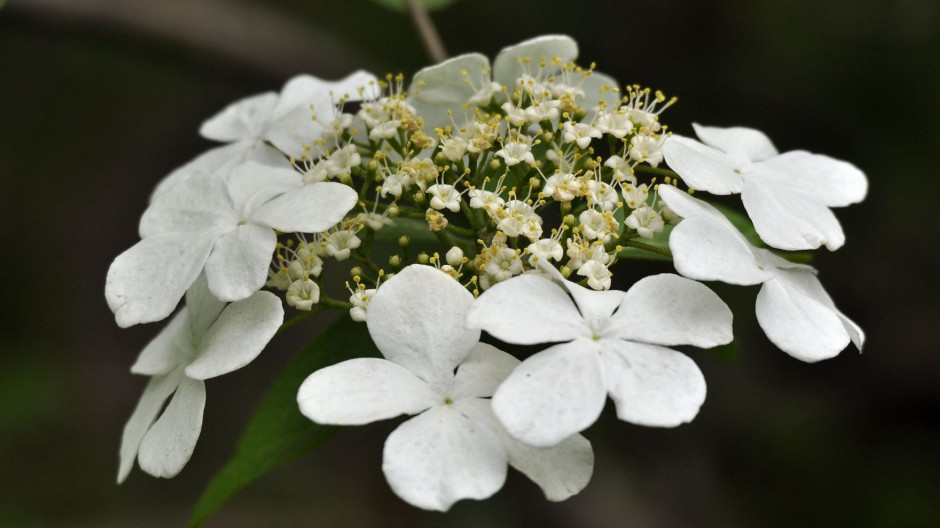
{"x": 525, "y": 310}
{"x": 238, "y": 264}
{"x": 196, "y": 202}
{"x": 164, "y": 352}
{"x": 599, "y": 87}
{"x": 671, "y": 310}
{"x": 702, "y": 167}
{"x": 506, "y": 69}
{"x": 310, "y": 209}
{"x": 220, "y": 160}
{"x": 833, "y": 182}
{"x": 561, "y": 471}
{"x": 251, "y": 185}
{"x": 202, "y": 308}
{"x": 705, "y": 249}
{"x": 480, "y": 374}
{"x": 439, "y": 88}
{"x": 238, "y": 336}
{"x": 416, "y": 319}
{"x": 741, "y": 143}
{"x": 439, "y": 457}
{"x": 169, "y": 444}
{"x": 303, "y": 97}
{"x": 652, "y": 385}
{"x": 151, "y": 402}
{"x": 146, "y": 282}
{"x": 244, "y": 119}
{"x": 687, "y": 206}
{"x": 595, "y": 306}
{"x": 797, "y": 320}
{"x": 553, "y": 394}
{"x": 363, "y": 390}
{"x": 787, "y": 218}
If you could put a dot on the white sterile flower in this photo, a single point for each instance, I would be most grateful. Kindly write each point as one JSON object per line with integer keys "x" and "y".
{"x": 303, "y": 294}
{"x": 454, "y": 448}
{"x": 612, "y": 343}
{"x": 516, "y": 149}
{"x": 580, "y": 133}
{"x": 792, "y": 307}
{"x": 204, "y": 340}
{"x": 450, "y": 85}
{"x": 444, "y": 196}
{"x": 645, "y": 221}
{"x": 227, "y": 228}
{"x": 287, "y": 120}
{"x": 787, "y": 195}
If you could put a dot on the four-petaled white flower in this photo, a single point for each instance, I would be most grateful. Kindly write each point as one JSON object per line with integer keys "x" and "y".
{"x": 787, "y": 195}
{"x": 455, "y": 448}
{"x": 792, "y": 307}
{"x": 224, "y": 227}
{"x": 206, "y": 339}
{"x": 612, "y": 343}
{"x": 297, "y": 116}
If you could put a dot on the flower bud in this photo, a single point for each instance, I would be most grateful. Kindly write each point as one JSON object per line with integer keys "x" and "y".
{"x": 454, "y": 256}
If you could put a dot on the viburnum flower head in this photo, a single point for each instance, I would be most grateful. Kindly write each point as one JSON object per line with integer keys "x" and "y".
{"x": 206, "y": 339}
{"x": 223, "y": 225}
{"x": 468, "y": 78}
{"x": 611, "y": 342}
{"x": 793, "y": 309}
{"x": 787, "y": 195}
{"x": 437, "y": 369}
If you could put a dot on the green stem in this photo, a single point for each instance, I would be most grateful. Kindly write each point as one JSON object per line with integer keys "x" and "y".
{"x": 654, "y": 170}
{"x": 648, "y": 247}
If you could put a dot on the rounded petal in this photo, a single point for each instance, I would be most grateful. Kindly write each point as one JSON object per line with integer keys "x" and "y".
{"x": 506, "y": 68}
{"x": 439, "y": 88}
{"x": 243, "y": 119}
{"x": 202, "y": 308}
{"x": 833, "y": 182}
{"x": 310, "y": 209}
{"x": 652, "y": 385}
{"x": 701, "y": 167}
{"x": 220, "y": 160}
{"x": 599, "y": 87}
{"x": 237, "y": 337}
{"x": 238, "y": 264}
{"x": 165, "y": 351}
{"x": 741, "y": 143}
{"x": 561, "y": 471}
{"x": 481, "y": 373}
{"x": 798, "y": 320}
{"x": 704, "y": 249}
{"x": 596, "y": 306}
{"x": 553, "y": 394}
{"x": 669, "y": 310}
{"x": 252, "y": 184}
{"x": 197, "y": 201}
{"x": 439, "y": 457}
{"x": 151, "y": 403}
{"x": 169, "y": 444}
{"x": 787, "y": 218}
{"x": 146, "y": 282}
{"x": 526, "y": 310}
{"x": 416, "y": 319}
{"x": 363, "y": 390}
{"x": 686, "y": 206}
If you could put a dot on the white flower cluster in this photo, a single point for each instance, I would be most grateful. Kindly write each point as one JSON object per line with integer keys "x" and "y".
{"x": 531, "y": 173}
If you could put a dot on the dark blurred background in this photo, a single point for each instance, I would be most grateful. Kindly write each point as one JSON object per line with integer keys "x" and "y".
{"x": 100, "y": 99}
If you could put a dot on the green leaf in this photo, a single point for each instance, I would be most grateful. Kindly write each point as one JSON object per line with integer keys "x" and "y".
{"x": 278, "y": 433}
{"x": 400, "y": 5}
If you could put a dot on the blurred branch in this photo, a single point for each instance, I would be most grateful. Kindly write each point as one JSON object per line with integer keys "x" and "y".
{"x": 429, "y": 34}
{"x": 255, "y": 36}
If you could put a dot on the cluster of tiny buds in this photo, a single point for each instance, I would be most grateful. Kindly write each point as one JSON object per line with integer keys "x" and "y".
{"x": 541, "y": 170}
